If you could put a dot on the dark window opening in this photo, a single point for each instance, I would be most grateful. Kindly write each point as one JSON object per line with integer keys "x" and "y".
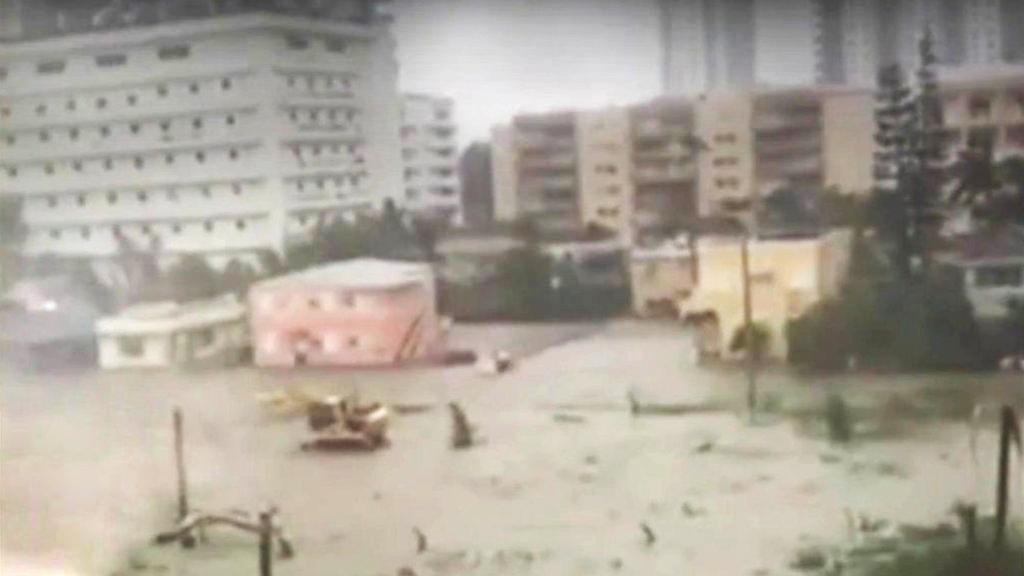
{"x": 176, "y": 52}
{"x": 110, "y": 60}
{"x": 51, "y": 67}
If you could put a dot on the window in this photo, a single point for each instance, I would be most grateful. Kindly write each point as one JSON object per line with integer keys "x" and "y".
{"x": 44, "y": 136}
{"x": 208, "y": 226}
{"x": 230, "y": 119}
{"x": 108, "y": 164}
{"x": 979, "y": 106}
{"x": 86, "y": 233}
{"x": 41, "y": 110}
{"x": 165, "y": 126}
{"x": 226, "y": 83}
{"x": 236, "y": 189}
{"x": 335, "y": 45}
{"x": 51, "y": 201}
{"x": 145, "y": 229}
{"x": 10, "y": 139}
{"x": 727, "y": 161}
{"x": 73, "y": 134}
{"x": 112, "y": 197}
{"x": 81, "y": 199}
{"x": 101, "y": 103}
{"x": 193, "y": 88}
{"x": 169, "y": 159}
{"x": 143, "y": 197}
{"x": 200, "y": 156}
{"x": 71, "y": 105}
{"x": 296, "y": 42}
{"x": 233, "y": 154}
{"x": 172, "y": 195}
{"x": 240, "y": 224}
{"x": 5, "y": 112}
{"x": 176, "y": 228}
{"x": 105, "y": 131}
{"x": 77, "y": 165}
{"x": 197, "y": 123}
{"x": 294, "y": 116}
{"x": 130, "y": 346}
{"x": 998, "y": 276}
{"x": 205, "y": 191}
{"x": 291, "y": 81}
{"x": 606, "y": 169}
{"x": 132, "y": 99}
{"x": 161, "y": 90}
{"x": 725, "y": 138}
{"x": 139, "y": 163}
{"x": 205, "y": 337}
{"x": 51, "y": 67}
{"x": 353, "y": 341}
{"x": 134, "y": 127}
{"x": 176, "y": 52}
{"x": 12, "y": 171}
{"x": 111, "y": 60}
{"x": 55, "y": 234}
{"x": 3, "y": 74}
{"x": 49, "y": 169}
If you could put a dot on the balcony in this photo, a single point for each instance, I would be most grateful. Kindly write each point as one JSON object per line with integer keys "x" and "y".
{"x": 780, "y": 148}
{"x": 665, "y": 174}
{"x": 791, "y": 168}
{"x": 539, "y": 163}
{"x": 543, "y": 142}
{"x": 548, "y": 183}
{"x": 787, "y": 121}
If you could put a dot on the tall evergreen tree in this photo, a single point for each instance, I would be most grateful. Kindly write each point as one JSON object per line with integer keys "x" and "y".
{"x": 894, "y": 118}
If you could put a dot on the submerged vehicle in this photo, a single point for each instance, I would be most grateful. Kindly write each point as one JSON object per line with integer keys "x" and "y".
{"x": 343, "y": 424}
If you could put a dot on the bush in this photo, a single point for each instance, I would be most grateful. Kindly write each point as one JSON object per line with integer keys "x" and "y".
{"x": 926, "y": 325}
{"x": 838, "y": 419}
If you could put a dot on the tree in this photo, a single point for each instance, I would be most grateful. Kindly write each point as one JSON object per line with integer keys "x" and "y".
{"x": 12, "y": 236}
{"x": 993, "y": 191}
{"x": 237, "y": 277}
{"x": 191, "y": 278}
{"x": 908, "y": 164}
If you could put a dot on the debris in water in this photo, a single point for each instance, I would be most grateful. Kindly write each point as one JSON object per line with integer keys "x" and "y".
{"x": 569, "y": 418}
{"x": 462, "y": 430}
{"x": 649, "y": 537}
{"x": 406, "y": 571}
{"x": 421, "y": 540}
{"x": 616, "y": 564}
{"x": 691, "y": 511}
{"x": 704, "y": 447}
{"x": 809, "y": 559}
{"x": 590, "y": 459}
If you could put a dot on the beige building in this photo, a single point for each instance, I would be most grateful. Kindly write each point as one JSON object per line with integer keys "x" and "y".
{"x": 429, "y": 147}
{"x": 660, "y": 277}
{"x": 985, "y": 110}
{"x": 787, "y": 276}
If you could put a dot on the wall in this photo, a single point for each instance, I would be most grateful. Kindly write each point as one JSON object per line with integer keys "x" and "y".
{"x": 849, "y": 141}
{"x": 724, "y": 124}
{"x": 657, "y": 281}
{"x": 503, "y": 169}
{"x": 604, "y": 170}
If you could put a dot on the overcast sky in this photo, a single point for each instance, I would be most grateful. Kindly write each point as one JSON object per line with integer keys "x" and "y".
{"x": 500, "y": 57}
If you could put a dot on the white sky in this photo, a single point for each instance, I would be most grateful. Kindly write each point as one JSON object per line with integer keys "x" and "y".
{"x": 500, "y": 57}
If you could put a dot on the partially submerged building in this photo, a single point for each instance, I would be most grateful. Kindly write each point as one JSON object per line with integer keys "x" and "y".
{"x": 660, "y": 277}
{"x": 787, "y": 276}
{"x": 360, "y": 312}
{"x": 991, "y": 265}
{"x": 167, "y": 334}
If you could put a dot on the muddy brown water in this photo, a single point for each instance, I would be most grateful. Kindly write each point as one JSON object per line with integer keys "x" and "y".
{"x": 87, "y": 474}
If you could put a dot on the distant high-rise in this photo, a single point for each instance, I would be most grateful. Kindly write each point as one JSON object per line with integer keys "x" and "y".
{"x": 707, "y": 44}
{"x": 477, "y": 185}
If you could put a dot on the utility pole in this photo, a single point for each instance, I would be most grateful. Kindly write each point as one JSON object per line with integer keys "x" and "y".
{"x": 179, "y": 464}
{"x": 748, "y": 324}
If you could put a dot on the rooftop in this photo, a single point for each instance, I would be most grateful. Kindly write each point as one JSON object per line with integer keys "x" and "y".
{"x": 358, "y": 273}
{"x": 163, "y": 317}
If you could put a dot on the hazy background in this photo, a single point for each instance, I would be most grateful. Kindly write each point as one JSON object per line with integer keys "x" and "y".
{"x": 500, "y": 57}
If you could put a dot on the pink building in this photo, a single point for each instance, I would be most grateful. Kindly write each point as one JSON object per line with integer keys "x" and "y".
{"x": 361, "y": 312}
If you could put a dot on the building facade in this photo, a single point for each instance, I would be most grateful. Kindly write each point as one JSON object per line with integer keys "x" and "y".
{"x": 361, "y": 312}
{"x": 432, "y": 188}
{"x": 220, "y": 135}
{"x": 477, "y": 181}
{"x": 655, "y": 168}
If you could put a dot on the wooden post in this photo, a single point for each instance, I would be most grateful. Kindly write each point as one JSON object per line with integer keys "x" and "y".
{"x": 749, "y": 328}
{"x": 266, "y": 534}
{"x": 1003, "y": 482}
{"x": 179, "y": 462}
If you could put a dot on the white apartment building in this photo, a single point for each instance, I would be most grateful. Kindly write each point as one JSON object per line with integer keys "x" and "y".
{"x": 431, "y": 185}
{"x": 221, "y": 135}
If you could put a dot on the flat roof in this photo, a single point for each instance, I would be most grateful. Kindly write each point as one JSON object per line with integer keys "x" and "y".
{"x": 357, "y": 273}
{"x": 163, "y": 317}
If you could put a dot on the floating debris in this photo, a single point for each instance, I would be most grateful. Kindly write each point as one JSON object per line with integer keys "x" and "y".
{"x": 569, "y": 418}
{"x": 421, "y": 540}
{"x": 649, "y": 536}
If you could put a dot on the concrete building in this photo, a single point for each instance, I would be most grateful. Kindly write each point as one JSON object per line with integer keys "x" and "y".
{"x": 218, "y": 134}
{"x": 477, "y": 182}
{"x": 432, "y": 187}
{"x": 654, "y": 168}
{"x": 985, "y": 110}
{"x": 707, "y": 44}
{"x": 991, "y": 263}
{"x": 361, "y": 312}
{"x": 166, "y": 334}
{"x": 787, "y": 276}
{"x": 660, "y": 277}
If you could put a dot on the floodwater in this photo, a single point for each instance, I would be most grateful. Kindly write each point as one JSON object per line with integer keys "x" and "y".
{"x": 562, "y": 483}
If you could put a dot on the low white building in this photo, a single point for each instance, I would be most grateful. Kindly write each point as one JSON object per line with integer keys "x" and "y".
{"x": 992, "y": 266}
{"x": 167, "y": 334}
{"x": 432, "y": 188}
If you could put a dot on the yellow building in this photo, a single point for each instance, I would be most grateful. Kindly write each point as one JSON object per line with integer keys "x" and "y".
{"x": 787, "y": 276}
{"x": 660, "y": 277}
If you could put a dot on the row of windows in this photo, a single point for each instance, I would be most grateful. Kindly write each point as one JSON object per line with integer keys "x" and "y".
{"x": 301, "y": 151}
{"x": 108, "y": 60}
{"x": 441, "y": 172}
{"x": 130, "y": 98}
{"x": 321, "y": 182}
{"x": 124, "y": 129}
{"x": 297, "y": 42}
{"x": 170, "y": 194}
{"x": 136, "y": 162}
{"x": 319, "y": 82}
{"x": 443, "y": 191}
{"x": 119, "y": 230}
{"x": 316, "y": 115}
